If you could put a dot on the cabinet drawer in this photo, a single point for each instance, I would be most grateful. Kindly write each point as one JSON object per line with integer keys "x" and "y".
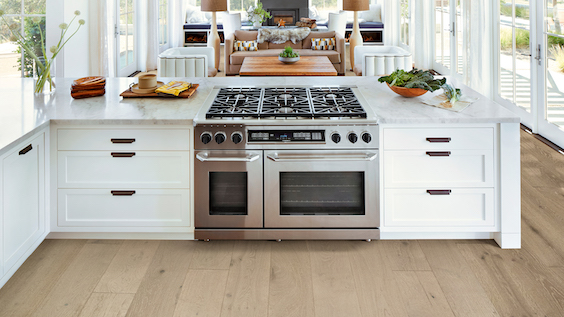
{"x": 145, "y": 169}
{"x": 124, "y": 140}
{"x": 439, "y": 139}
{"x": 144, "y": 208}
{"x": 418, "y": 208}
{"x": 462, "y": 168}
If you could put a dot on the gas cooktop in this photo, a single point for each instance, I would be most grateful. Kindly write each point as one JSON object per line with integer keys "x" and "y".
{"x": 285, "y": 103}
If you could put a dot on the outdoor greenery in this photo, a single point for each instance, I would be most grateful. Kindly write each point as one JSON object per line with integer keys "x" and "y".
{"x": 33, "y": 40}
{"x": 520, "y": 11}
{"x": 557, "y": 52}
{"x": 506, "y": 38}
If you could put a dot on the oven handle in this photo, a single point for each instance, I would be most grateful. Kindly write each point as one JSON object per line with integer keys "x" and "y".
{"x": 369, "y": 156}
{"x": 248, "y": 158}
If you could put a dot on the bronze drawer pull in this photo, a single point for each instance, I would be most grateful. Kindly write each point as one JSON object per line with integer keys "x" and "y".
{"x": 439, "y": 191}
{"x": 123, "y": 141}
{"x": 123, "y": 154}
{"x": 447, "y": 153}
{"x": 26, "y": 149}
{"x": 438, "y": 140}
{"x": 123, "y": 192}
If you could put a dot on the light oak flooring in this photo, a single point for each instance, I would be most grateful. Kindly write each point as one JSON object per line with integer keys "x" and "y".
{"x": 314, "y": 278}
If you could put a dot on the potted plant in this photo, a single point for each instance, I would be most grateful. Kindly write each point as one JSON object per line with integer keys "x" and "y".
{"x": 257, "y": 14}
{"x": 288, "y": 55}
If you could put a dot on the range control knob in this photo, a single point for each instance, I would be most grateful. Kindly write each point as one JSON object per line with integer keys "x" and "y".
{"x": 206, "y": 137}
{"x": 236, "y": 137}
{"x": 366, "y": 137}
{"x": 336, "y": 137}
{"x": 219, "y": 137}
{"x": 353, "y": 137}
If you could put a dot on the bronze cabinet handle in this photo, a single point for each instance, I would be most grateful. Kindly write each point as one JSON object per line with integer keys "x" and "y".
{"x": 123, "y": 192}
{"x": 26, "y": 149}
{"x": 446, "y": 153}
{"x": 438, "y": 140}
{"x": 123, "y": 154}
{"x": 439, "y": 191}
{"x": 123, "y": 141}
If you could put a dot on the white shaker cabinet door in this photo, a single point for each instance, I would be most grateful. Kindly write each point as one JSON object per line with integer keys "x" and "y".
{"x": 23, "y": 173}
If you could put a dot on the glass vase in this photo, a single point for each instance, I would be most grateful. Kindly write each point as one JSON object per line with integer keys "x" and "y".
{"x": 44, "y": 77}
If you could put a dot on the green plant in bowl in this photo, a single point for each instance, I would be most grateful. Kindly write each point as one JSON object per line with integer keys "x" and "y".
{"x": 288, "y": 55}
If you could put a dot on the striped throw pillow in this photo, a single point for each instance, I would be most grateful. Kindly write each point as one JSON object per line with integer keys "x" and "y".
{"x": 324, "y": 44}
{"x": 245, "y": 46}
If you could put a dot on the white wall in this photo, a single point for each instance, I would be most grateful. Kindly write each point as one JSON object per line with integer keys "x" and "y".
{"x": 72, "y": 62}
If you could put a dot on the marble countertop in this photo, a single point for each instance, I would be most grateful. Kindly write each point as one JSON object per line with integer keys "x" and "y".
{"x": 22, "y": 113}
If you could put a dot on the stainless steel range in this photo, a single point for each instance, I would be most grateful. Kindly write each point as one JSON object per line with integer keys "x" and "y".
{"x": 286, "y": 163}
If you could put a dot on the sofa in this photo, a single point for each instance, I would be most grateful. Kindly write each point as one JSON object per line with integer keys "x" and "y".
{"x": 380, "y": 60}
{"x": 187, "y": 62}
{"x": 234, "y": 59}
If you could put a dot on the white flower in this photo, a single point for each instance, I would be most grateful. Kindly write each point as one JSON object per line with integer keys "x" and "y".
{"x": 63, "y": 26}
{"x": 76, "y": 12}
{"x": 53, "y": 49}
{"x": 13, "y": 38}
{"x": 36, "y": 19}
{"x": 81, "y": 21}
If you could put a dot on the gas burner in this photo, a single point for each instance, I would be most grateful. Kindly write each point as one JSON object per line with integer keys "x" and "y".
{"x": 285, "y": 110}
{"x": 285, "y": 102}
{"x": 235, "y": 102}
{"x": 335, "y": 102}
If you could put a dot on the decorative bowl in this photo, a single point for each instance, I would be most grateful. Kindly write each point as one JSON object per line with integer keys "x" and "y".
{"x": 288, "y": 60}
{"x": 407, "y": 92}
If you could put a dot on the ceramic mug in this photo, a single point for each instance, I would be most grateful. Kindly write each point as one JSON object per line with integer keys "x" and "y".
{"x": 148, "y": 81}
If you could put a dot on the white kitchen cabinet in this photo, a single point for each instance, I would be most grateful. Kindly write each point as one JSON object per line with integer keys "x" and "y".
{"x": 121, "y": 179}
{"x": 22, "y": 203}
{"x": 124, "y": 208}
{"x": 440, "y": 178}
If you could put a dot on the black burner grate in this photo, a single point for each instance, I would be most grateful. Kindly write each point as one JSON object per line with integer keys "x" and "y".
{"x": 285, "y": 102}
{"x": 235, "y": 102}
{"x": 335, "y": 102}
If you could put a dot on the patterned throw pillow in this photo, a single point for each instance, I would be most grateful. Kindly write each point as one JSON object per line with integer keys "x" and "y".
{"x": 324, "y": 44}
{"x": 245, "y": 46}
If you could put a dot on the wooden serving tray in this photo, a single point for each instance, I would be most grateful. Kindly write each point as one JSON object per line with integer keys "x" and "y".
{"x": 185, "y": 94}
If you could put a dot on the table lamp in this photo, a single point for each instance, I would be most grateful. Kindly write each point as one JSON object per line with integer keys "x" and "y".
{"x": 214, "y": 6}
{"x": 356, "y": 38}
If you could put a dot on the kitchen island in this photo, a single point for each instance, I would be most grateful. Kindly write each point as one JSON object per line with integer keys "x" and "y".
{"x": 53, "y": 145}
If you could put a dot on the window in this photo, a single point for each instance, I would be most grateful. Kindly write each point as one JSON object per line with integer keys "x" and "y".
{"x": 405, "y": 16}
{"x": 320, "y": 9}
{"x": 240, "y": 5}
{"x": 28, "y": 18}
{"x": 163, "y": 23}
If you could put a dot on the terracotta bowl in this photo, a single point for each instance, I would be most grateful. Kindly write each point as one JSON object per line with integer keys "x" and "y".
{"x": 407, "y": 92}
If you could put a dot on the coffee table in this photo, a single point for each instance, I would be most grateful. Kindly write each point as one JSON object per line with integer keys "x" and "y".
{"x": 271, "y": 66}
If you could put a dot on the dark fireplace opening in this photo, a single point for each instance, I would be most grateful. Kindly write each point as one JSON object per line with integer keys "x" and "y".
{"x": 290, "y": 16}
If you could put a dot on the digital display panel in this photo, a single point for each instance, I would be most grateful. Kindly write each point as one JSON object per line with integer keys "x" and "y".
{"x": 286, "y": 136}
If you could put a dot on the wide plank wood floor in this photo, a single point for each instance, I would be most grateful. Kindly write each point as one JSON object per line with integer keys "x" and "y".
{"x": 310, "y": 278}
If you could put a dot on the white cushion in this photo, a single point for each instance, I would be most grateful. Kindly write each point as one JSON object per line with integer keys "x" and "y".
{"x": 372, "y": 15}
{"x": 194, "y": 15}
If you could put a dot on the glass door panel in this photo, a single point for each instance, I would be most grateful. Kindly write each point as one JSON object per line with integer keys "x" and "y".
{"x": 443, "y": 33}
{"x": 515, "y": 53}
{"x": 228, "y": 193}
{"x": 126, "y": 38}
{"x": 460, "y": 27}
{"x": 554, "y": 66}
{"x": 322, "y": 193}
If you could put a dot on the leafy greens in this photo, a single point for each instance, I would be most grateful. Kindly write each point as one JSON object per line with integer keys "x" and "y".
{"x": 413, "y": 79}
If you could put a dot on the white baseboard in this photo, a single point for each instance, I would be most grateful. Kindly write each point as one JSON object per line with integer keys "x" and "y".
{"x": 435, "y": 235}
{"x": 123, "y": 235}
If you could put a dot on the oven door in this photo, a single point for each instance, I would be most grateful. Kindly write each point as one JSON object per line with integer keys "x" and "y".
{"x": 321, "y": 189}
{"x": 228, "y": 189}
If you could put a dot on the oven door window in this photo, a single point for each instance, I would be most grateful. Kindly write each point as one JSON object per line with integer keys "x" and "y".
{"x": 228, "y": 193}
{"x": 322, "y": 193}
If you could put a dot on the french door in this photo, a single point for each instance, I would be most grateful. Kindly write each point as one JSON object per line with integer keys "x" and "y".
{"x": 531, "y": 64}
{"x": 126, "y": 38}
{"x": 450, "y": 47}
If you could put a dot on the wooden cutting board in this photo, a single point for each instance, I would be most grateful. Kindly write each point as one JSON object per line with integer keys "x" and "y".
{"x": 185, "y": 94}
